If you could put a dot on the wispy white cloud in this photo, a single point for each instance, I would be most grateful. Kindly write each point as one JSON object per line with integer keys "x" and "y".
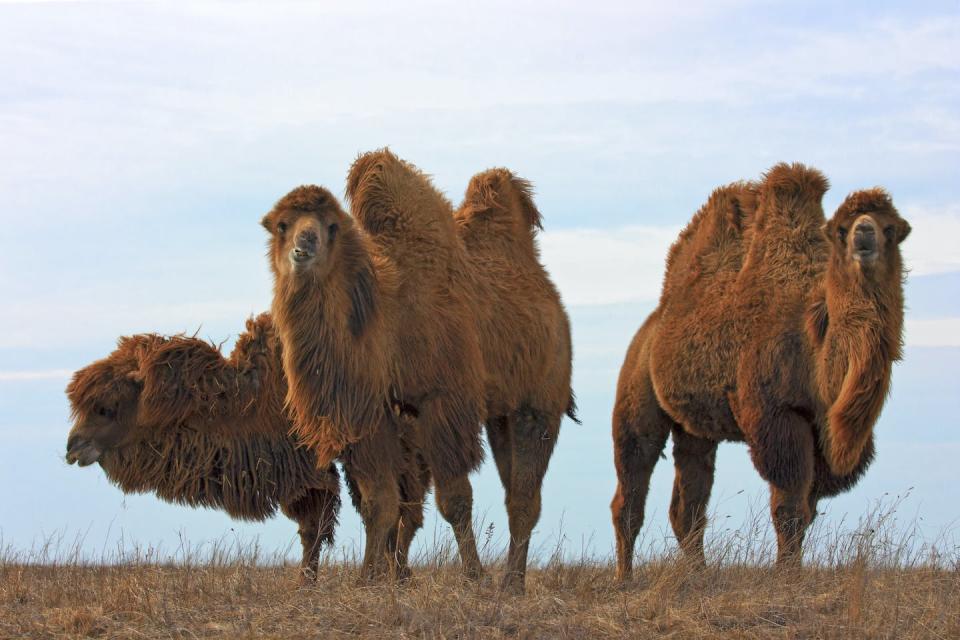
{"x": 600, "y": 266}
{"x": 932, "y": 332}
{"x": 934, "y": 243}
{"x": 43, "y": 374}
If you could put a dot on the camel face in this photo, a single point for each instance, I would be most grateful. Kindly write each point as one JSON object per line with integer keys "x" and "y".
{"x": 866, "y": 231}
{"x": 103, "y": 399}
{"x": 304, "y": 226}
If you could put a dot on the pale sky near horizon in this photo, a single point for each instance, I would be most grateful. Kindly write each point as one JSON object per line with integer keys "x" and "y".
{"x": 141, "y": 143}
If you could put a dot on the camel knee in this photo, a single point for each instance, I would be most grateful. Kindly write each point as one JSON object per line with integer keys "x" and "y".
{"x": 456, "y": 509}
{"x": 523, "y": 514}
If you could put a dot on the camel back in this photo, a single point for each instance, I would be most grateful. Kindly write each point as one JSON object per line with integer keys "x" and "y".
{"x": 714, "y": 242}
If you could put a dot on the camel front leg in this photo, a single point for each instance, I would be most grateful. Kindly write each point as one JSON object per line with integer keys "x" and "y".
{"x": 316, "y": 517}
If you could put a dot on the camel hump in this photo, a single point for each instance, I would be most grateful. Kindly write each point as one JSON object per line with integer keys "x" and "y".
{"x": 713, "y": 241}
{"x": 397, "y": 203}
{"x": 503, "y": 200}
{"x": 792, "y": 193}
{"x": 258, "y": 341}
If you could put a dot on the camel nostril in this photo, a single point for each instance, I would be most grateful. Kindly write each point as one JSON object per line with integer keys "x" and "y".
{"x": 72, "y": 442}
{"x": 307, "y": 237}
{"x": 865, "y": 239}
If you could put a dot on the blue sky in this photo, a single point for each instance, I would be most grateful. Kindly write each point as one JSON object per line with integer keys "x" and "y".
{"x": 141, "y": 143}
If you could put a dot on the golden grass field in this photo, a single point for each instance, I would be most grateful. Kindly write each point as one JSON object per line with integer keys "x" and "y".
{"x": 871, "y": 582}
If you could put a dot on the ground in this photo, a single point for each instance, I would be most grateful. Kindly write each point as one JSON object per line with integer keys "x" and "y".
{"x": 237, "y": 598}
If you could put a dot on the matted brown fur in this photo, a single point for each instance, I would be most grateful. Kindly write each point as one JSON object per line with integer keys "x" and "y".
{"x": 525, "y": 340}
{"x": 172, "y": 416}
{"x": 377, "y": 316}
{"x": 451, "y": 302}
{"x": 769, "y": 330}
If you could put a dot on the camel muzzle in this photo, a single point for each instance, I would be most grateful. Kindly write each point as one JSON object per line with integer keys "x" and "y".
{"x": 83, "y": 452}
{"x": 865, "y": 242}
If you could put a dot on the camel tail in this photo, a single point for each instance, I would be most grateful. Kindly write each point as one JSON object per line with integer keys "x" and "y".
{"x": 500, "y": 196}
{"x": 572, "y": 409}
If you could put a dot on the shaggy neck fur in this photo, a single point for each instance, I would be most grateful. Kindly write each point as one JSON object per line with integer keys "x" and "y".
{"x": 334, "y": 354}
{"x": 248, "y": 476}
{"x": 856, "y": 328}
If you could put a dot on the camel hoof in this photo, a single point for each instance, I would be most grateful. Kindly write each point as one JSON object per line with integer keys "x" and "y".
{"x": 513, "y": 584}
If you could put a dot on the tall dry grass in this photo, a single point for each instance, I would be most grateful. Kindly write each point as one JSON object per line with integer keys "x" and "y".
{"x": 877, "y": 579}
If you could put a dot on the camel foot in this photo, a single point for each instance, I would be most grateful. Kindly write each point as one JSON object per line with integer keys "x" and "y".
{"x": 513, "y": 584}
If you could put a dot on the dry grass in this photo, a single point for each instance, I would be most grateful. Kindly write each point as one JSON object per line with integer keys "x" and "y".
{"x": 871, "y": 582}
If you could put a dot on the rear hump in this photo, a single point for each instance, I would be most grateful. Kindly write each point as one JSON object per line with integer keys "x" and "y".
{"x": 503, "y": 201}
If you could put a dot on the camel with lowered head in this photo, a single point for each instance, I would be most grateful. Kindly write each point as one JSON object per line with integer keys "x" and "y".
{"x": 172, "y": 416}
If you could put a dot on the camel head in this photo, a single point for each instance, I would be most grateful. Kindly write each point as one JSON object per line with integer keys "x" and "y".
{"x": 304, "y": 227}
{"x": 865, "y": 235}
{"x": 105, "y": 401}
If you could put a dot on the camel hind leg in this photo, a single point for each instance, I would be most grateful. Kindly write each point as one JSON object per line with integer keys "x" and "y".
{"x": 528, "y": 438}
{"x": 694, "y": 462}
{"x": 316, "y": 516}
{"x": 454, "y": 497}
{"x": 414, "y": 485}
{"x": 640, "y": 431}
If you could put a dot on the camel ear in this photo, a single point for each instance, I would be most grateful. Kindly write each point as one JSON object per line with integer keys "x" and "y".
{"x": 362, "y": 300}
{"x": 265, "y": 223}
{"x": 903, "y": 230}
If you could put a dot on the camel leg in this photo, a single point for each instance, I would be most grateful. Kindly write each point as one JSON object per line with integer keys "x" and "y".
{"x": 373, "y": 473}
{"x": 791, "y": 517}
{"x": 782, "y": 447}
{"x": 316, "y": 517}
{"x": 533, "y": 437}
{"x": 499, "y": 437}
{"x": 637, "y": 445}
{"x": 694, "y": 461}
{"x": 454, "y": 498}
{"x": 413, "y": 492}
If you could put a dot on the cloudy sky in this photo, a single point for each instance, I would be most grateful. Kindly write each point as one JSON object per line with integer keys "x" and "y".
{"x": 141, "y": 143}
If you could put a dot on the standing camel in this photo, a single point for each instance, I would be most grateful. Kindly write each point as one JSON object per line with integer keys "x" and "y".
{"x": 774, "y": 328}
{"x": 452, "y": 321}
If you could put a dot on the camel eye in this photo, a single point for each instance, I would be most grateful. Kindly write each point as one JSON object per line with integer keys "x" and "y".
{"x": 888, "y": 231}
{"x": 842, "y": 233}
{"x": 281, "y": 228}
{"x": 332, "y": 231}
{"x": 105, "y": 412}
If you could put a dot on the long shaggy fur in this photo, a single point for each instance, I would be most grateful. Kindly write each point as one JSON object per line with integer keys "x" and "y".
{"x": 204, "y": 431}
{"x": 449, "y": 303}
{"x": 766, "y": 332}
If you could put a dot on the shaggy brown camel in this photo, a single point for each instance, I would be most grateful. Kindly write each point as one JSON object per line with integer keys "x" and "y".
{"x": 775, "y": 329}
{"x": 469, "y": 301}
{"x": 525, "y": 341}
{"x": 372, "y": 312}
{"x": 172, "y": 416}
